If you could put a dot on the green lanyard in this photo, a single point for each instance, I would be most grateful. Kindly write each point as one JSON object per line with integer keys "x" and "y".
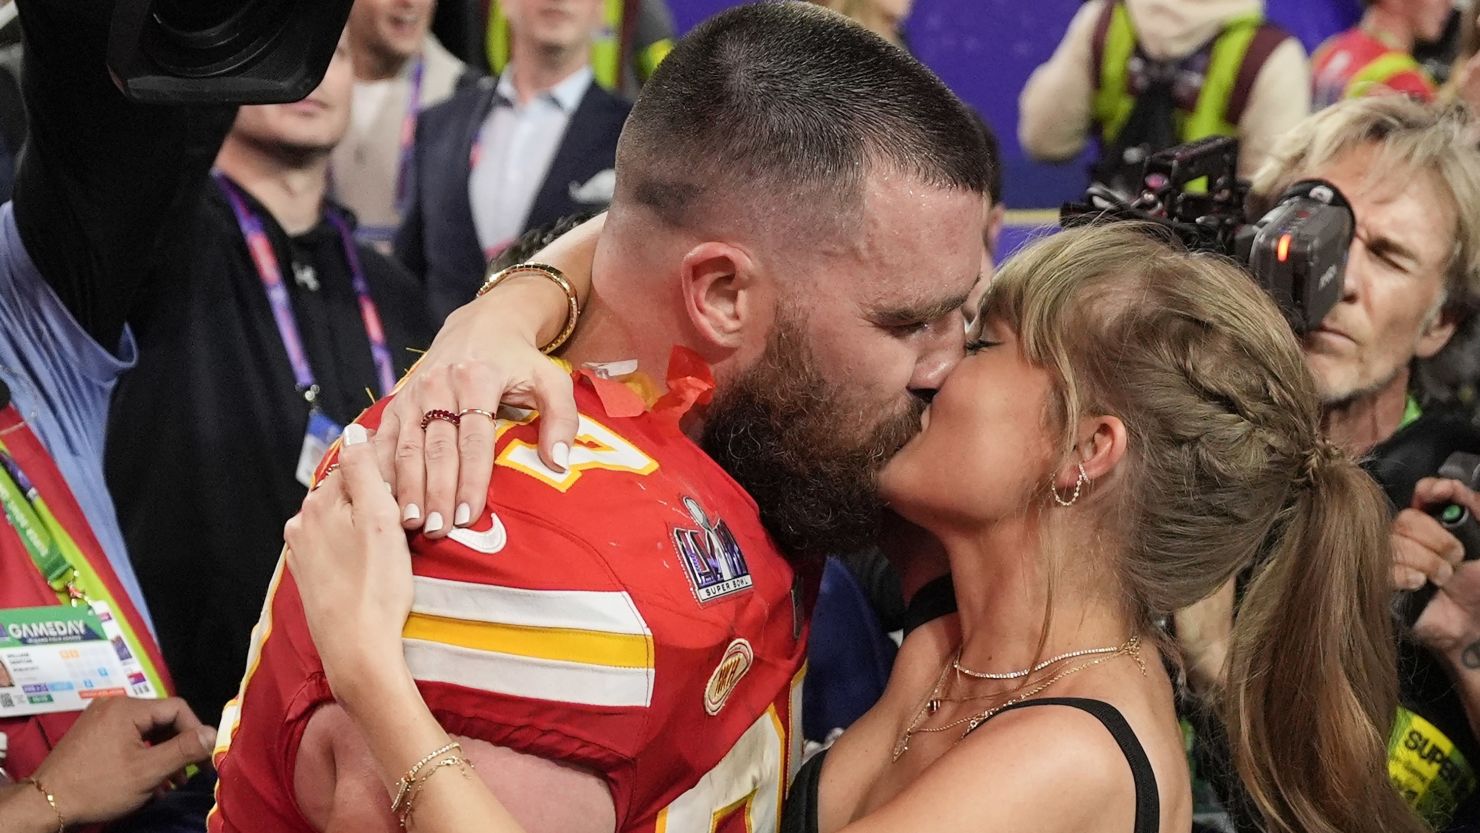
{"x": 1411, "y": 413}
{"x": 45, "y": 541}
{"x": 56, "y": 555}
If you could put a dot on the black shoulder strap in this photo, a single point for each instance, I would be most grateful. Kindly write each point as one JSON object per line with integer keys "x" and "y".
{"x": 1266, "y": 40}
{"x": 799, "y": 813}
{"x": 1148, "y": 801}
{"x": 1097, "y": 39}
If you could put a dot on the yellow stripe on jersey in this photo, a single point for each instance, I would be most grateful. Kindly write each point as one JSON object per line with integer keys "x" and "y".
{"x": 559, "y": 644}
{"x": 572, "y": 646}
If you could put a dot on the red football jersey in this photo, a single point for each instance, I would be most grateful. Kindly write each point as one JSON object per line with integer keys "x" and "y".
{"x": 630, "y": 616}
{"x": 1355, "y": 63}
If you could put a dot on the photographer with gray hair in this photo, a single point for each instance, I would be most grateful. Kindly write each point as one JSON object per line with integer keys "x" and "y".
{"x": 1412, "y": 175}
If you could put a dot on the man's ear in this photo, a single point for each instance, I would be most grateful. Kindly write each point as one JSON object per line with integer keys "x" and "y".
{"x": 1101, "y": 446}
{"x": 1437, "y": 332}
{"x": 996, "y": 217}
{"x": 720, "y": 282}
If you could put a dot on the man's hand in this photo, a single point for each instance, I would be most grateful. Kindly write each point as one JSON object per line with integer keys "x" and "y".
{"x": 487, "y": 353}
{"x": 118, "y": 753}
{"x": 1423, "y": 551}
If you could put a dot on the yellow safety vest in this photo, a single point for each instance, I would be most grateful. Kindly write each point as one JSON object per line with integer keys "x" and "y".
{"x": 1380, "y": 70}
{"x": 1113, "y": 101}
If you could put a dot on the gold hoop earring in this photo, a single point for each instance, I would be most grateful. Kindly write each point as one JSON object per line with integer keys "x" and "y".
{"x": 1078, "y": 485}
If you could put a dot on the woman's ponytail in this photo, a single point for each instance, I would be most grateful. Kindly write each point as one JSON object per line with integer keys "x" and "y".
{"x": 1312, "y": 686}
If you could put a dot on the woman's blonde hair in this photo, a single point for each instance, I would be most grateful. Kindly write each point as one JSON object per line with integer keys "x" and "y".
{"x": 1225, "y": 470}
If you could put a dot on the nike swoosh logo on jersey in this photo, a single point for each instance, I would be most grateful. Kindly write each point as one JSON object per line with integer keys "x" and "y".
{"x": 489, "y": 541}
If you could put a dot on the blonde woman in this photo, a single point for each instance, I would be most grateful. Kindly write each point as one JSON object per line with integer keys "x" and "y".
{"x": 1133, "y": 425}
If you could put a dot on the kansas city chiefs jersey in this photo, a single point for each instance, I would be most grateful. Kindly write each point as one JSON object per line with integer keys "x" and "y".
{"x": 629, "y": 616}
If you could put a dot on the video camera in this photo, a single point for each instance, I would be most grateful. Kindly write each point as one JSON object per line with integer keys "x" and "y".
{"x": 1297, "y": 251}
{"x": 223, "y": 51}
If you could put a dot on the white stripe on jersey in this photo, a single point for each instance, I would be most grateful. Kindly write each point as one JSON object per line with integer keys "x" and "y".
{"x": 584, "y": 610}
{"x": 532, "y": 677}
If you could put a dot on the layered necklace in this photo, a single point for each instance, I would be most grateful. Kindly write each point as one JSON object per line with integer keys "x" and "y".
{"x": 1131, "y": 647}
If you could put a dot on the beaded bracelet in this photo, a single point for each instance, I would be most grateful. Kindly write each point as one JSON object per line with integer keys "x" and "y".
{"x": 404, "y": 816}
{"x": 403, "y": 786}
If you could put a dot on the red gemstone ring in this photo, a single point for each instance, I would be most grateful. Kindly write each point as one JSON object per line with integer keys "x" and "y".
{"x": 439, "y": 413}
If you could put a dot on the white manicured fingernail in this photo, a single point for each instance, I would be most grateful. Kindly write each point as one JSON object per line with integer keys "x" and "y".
{"x": 463, "y": 515}
{"x": 434, "y": 522}
{"x": 561, "y": 453}
{"x": 354, "y": 434}
{"x": 411, "y": 512}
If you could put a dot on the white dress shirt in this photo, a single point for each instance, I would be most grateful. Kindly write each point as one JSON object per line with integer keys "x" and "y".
{"x": 516, "y": 145}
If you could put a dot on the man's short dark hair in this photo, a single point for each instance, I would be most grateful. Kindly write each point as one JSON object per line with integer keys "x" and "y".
{"x": 787, "y": 107}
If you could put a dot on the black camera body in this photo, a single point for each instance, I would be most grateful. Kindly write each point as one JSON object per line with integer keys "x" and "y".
{"x": 223, "y": 51}
{"x": 1297, "y": 251}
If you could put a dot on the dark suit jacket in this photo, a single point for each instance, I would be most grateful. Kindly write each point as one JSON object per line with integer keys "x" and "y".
{"x": 438, "y": 240}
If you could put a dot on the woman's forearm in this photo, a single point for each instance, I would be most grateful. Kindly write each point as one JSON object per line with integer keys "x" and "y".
{"x": 401, "y": 731}
{"x": 532, "y": 304}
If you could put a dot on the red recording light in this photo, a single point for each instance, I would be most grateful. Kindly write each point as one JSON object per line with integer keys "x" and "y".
{"x": 1282, "y": 249}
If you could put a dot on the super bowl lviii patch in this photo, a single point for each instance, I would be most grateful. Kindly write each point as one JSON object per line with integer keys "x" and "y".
{"x": 710, "y": 555}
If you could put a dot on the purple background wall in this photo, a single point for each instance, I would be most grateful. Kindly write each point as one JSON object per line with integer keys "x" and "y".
{"x": 985, "y": 49}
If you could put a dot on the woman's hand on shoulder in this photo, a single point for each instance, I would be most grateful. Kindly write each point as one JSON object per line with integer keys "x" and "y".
{"x": 352, "y": 566}
{"x": 486, "y": 354}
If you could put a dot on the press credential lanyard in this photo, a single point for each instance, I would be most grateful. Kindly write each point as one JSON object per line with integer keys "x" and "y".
{"x": 408, "y": 138}
{"x": 57, "y": 556}
{"x": 271, "y": 274}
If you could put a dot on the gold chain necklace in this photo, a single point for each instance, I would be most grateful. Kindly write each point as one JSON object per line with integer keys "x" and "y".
{"x": 1016, "y": 675}
{"x": 1132, "y": 647}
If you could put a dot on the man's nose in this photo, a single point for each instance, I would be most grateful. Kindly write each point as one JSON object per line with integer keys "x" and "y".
{"x": 1354, "y": 277}
{"x": 940, "y": 355}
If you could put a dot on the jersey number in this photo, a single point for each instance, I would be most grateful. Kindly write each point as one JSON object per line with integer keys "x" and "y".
{"x": 596, "y": 447}
{"x": 751, "y": 779}
{"x": 746, "y": 780}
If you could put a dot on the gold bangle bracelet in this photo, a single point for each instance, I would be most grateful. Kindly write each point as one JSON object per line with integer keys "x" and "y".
{"x": 555, "y": 276}
{"x": 50, "y": 799}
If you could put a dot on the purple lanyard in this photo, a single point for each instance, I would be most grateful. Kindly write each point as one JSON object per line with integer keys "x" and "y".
{"x": 408, "y": 139}
{"x": 282, "y": 306}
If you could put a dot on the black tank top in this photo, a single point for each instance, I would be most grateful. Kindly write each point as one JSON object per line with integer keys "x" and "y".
{"x": 801, "y": 803}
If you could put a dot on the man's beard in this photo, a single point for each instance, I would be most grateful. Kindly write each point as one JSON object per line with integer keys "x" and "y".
{"x": 808, "y": 454}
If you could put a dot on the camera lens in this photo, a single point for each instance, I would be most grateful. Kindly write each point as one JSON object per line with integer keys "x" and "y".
{"x": 186, "y": 16}
{"x": 214, "y": 37}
